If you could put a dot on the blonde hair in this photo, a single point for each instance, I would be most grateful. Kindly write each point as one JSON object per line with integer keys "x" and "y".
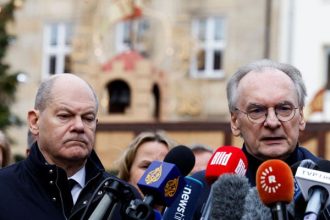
{"x": 126, "y": 160}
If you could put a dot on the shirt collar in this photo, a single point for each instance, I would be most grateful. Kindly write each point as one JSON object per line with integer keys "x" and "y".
{"x": 80, "y": 176}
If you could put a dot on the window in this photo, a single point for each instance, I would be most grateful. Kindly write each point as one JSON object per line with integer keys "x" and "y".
{"x": 131, "y": 35}
{"x": 57, "y": 47}
{"x": 207, "y": 58}
{"x": 119, "y": 96}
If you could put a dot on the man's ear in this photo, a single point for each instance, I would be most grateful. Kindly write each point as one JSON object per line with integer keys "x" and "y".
{"x": 302, "y": 122}
{"x": 234, "y": 124}
{"x": 33, "y": 119}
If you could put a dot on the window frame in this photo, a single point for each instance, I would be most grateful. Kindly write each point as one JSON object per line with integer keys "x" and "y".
{"x": 139, "y": 27}
{"x": 210, "y": 45}
{"x": 59, "y": 51}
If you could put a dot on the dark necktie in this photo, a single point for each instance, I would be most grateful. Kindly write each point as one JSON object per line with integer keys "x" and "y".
{"x": 72, "y": 183}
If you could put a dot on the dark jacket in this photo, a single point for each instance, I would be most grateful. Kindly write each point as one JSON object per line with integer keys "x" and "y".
{"x": 300, "y": 153}
{"x": 34, "y": 189}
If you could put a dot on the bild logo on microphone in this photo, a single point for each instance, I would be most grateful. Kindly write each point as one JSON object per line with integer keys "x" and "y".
{"x": 268, "y": 180}
{"x": 221, "y": 158}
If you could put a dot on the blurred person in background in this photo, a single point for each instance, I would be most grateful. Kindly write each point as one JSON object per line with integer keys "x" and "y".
{"x": 202, "y": 155}
{"x": 143, "y": 149}
{"x": 5, "y": 154}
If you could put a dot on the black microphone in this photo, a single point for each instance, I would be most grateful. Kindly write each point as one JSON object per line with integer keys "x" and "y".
{"x": 113, "y": 191}
{"x": 315, "y": 187}
{"x": 182, "y": 157}
{"x": 162, "y": 182}
{"x": 228, "y": 197}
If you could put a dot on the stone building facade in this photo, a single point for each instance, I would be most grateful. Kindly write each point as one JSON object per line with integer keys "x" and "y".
{"x": 152, "y": 62}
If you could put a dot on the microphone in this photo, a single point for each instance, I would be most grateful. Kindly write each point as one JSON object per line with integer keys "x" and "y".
{"x": 226, "y": 159}
{"x": 162, "y": 182}
{"x": 307, "y": 163}
{"x": 182, "y": 157}
{"x": 315, "y": 186}
{"x": 274, "y": 181}
{"x": 114, "y": 191}
{"x": 254, "y": 208}
{"x": 185, "y": 204}
{"x": 297, "y": 207}
{"x": 228, "y": 197}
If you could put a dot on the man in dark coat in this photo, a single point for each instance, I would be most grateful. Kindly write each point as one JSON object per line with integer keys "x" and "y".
{"x": 63, "y": 122}
{"x": 266, "y": 101}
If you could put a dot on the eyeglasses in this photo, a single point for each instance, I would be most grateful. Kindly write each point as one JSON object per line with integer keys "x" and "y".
{"x": 257, "y": 113}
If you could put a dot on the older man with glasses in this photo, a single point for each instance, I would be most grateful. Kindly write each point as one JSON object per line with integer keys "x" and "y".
{"x": 266, "y": 100}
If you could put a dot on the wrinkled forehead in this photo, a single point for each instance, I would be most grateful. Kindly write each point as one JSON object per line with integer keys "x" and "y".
{"x": 269, "y": 85}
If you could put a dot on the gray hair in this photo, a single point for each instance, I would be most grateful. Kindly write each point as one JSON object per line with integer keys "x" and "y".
{"x": 260, "y": 65}
{"x": 44, "y": 93}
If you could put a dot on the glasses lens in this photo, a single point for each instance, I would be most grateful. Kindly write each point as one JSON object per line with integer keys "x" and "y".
{"x": 284, "y": 112}
{"x": 257, "y": 114}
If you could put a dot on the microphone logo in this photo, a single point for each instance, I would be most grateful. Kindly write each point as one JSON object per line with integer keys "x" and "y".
{"x": 171, "y": 187}
{"x": 268, "y": 181}
{"x": 221, "y": 158}
{"x": 154, "y": 175}
{"x": 241, "y": 168}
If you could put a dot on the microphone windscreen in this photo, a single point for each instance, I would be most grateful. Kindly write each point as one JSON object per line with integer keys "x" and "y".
{"x": 182, "y": 157}
{"x": 254, "y": 208}
{"x": 274, "y": 181}
{"x": 226, "y": 159}
{"x": 228, "y": 196}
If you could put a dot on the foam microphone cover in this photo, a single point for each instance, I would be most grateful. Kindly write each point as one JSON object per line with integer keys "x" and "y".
{"x": 182, "y": 157}
{"x": 254, "y": 208}
{"x": 226, "y": 159}
{"x": 228, "y": 196}
{"x": 274, "y": 181}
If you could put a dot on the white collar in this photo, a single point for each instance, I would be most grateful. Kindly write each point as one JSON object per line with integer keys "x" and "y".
{"x": 80, "y": 176}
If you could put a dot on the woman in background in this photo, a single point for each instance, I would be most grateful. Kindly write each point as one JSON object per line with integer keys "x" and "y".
{"x": 144, "y": 148}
